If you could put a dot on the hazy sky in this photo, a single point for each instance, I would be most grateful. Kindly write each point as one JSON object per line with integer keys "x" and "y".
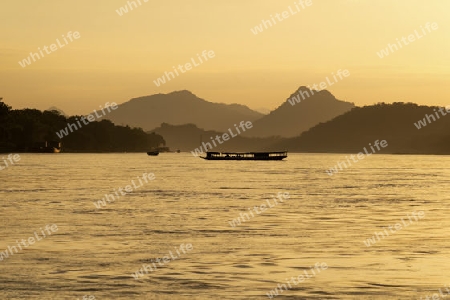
{"x": 119, "y": 57}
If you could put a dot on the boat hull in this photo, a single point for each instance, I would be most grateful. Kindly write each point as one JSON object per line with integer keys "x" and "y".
{"x": 245, "y": 155}
{"x": 245, "y": 158}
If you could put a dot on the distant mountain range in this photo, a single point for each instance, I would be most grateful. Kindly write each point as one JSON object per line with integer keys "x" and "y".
{"x": 408, "y": 129}
{"x": 183, "y": 107}
{"x": 316, "y": 123}
{"x": 178, "y": 108}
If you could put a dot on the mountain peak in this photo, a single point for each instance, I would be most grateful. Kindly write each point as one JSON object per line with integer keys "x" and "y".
{"x": 305, "y": 93}
{"x": 302, "y": 110}
{"x": 313, "y": 92}
{"x": 182, "y": 93}
{"x": 303, "y": 88}
{"x": 326, "y": 93}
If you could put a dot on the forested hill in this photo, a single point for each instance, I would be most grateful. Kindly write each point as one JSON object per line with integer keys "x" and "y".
{"x": 396, "y": 123}
{"x": 20, "y": 130}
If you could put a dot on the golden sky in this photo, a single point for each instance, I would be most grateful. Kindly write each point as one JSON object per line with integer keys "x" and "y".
{"x": 118, "y": 57}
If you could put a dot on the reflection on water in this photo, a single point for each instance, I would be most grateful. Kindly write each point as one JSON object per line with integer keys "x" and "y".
{"x": 327, "y": 219}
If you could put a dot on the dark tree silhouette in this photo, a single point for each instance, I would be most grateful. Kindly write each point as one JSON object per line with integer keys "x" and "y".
{"x": 20, "y": 130}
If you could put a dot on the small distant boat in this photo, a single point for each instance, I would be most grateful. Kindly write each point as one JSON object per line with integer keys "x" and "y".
{"x": 46, "y": 147}
{"x": 245, "y": 155}
{"x": 153, "y": 153}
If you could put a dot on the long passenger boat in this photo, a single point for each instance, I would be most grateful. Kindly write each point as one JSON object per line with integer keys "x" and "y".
{"x": 245, "y": 155}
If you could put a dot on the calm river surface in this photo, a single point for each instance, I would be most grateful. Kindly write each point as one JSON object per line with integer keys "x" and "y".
{"x": 327, "y": 219}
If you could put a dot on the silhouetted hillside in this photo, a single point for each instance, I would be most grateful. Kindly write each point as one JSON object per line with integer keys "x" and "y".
{"x": 21, "y": 130}
{"x": 188, "y": 137}
{"x": 291, "y": 120}
{"x": 179, "y": 108}
{"x": 395, "y": 123}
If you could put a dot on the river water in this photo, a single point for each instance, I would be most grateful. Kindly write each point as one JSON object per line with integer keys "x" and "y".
{"x": 191, "y": 202}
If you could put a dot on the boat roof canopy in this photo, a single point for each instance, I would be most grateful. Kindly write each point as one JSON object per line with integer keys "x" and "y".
{"x": 268, "y": 152}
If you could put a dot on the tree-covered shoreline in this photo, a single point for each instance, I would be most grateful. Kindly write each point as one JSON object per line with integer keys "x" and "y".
{"x": 22, "y": 130}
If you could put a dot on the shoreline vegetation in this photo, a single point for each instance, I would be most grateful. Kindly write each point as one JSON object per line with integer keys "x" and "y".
{"x": 22, "y": 129}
